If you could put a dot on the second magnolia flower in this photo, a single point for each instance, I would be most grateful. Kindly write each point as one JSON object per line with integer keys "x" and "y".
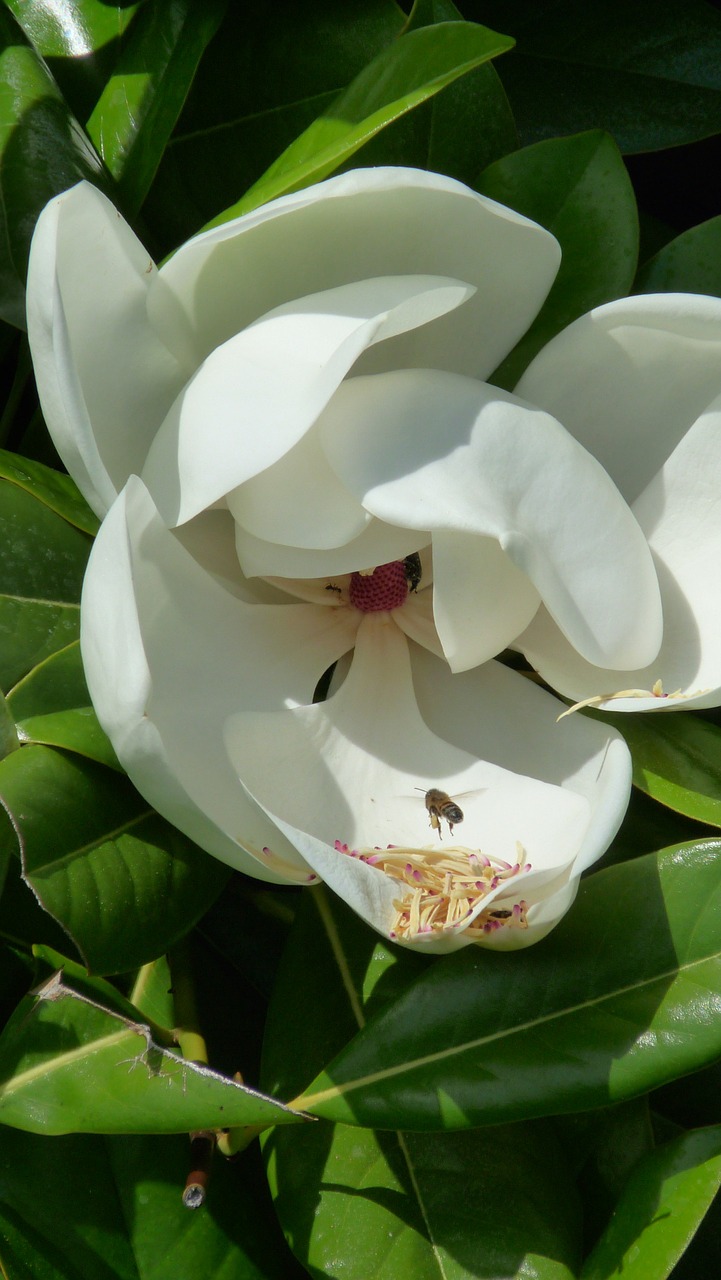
{"x": 296, "y": 400}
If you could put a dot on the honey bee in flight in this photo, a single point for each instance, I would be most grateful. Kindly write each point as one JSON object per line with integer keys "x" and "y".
{"x": 440, "y": 805}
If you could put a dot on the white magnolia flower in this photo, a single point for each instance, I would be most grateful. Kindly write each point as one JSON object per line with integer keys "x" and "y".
{"x": 290, "y": 435}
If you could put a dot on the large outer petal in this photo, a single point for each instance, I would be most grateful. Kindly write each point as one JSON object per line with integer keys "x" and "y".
{"x": 105, "y": 379}
{"x": 254, "y": 397}
{"x": 680, "y": 512}
{"x": 168, "y": 654}
{"x": 351, "y": 769}
{"x": 630, "y": 378}
{"x": 370, "y": 222}
{"x": 502, "y": 716}
{"x": 435, "y": 451}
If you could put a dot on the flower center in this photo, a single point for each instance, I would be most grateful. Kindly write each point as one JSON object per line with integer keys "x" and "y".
{"x": 383, "y": 589}
{"x": 439, "y": 890}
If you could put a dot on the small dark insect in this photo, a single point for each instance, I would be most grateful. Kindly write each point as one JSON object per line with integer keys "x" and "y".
{"x": 440, "y": 805}
{"x": 413, "y": 571}
{"x": 332, "y": 587}
{"x": 500, "y": 915}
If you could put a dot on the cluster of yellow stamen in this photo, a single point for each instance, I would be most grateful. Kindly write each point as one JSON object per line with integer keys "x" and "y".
{"x": 442, "y": 888}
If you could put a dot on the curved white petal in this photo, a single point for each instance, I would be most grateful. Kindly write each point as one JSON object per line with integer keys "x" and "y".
{"x": 369, "y": 222}
{"x": 416, "y": 620}
{"x": 680, "y": 512}
{"x": 354, "y": 770}
{"x": 504, "y": 717}
{"x": 629, "y": 379}
{"x": 168, "y": 653}
{"x": 256, "y": 395}
{"x": 437, "y": 451}
{"x": 299, "y": 501}
{"x": 481, "y": 601}
{"x": 105, "y": 379}
{"x": 378, "y": 544}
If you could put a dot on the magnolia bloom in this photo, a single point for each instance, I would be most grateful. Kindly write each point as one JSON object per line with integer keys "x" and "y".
{"x": 289, "y": 432}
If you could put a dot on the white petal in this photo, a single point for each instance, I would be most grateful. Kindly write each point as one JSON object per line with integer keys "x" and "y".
{"x": 680, "y": 511}
{"x": 378, "y": 544}
{"x": 299, "y": 501}
{"x": 168, "y": 654}
{"x": 369, "y": 222}
{"x": 502, "y": 716}
{"x": 256, "y": 395}
{"x": 105, "y": 379}
{"x": 481, "y": 600}
{"x": 355, "y": 768}
{"x": 630, "y": 378}
{"x": 431, "y": 449}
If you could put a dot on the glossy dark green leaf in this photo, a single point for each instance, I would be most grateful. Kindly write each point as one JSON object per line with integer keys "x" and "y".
{"x": 60, "y": 1218}
{"x": 648, "y": 72}
{"x": 460, "y": 130}
{"x": 677, "y": 761}
{"x": 403, "y": 1205}
{"x": 122, "y": 882}
{"x": 70, "y": 1065}
{"x": 51, "y": 705}
{"x": 80, "y": 42}
{"x": 109, "y": 1208}
{"x": 349, "y": 972}
{"x": 262, "y": 81}
{"x": 41, "y": 574}
{"x": 577, "y": 188}
{"x": 402, "y": 76}
{"x": 689, "y": 264}
{"x": 9, "y": 740}
{"x": 43, "y": 150}
{"x": 140, "y": 104}
{"x": 75, "y": 730}
{"x": 622, "y": 996}
{"x": 662, "y": 1205}
{"x": 55, "y": 684}
{"x": 55, "y": 490}
{"x": 357, "y": 1204}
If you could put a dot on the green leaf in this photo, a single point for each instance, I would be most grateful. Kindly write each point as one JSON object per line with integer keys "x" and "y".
{"x": 124, "y": 1218}
{"x": 76, "y": 730}
{"x": 577, "y": 188}
{"x": 55, "y": 490}
{"x": 457, "y": 132}
{"x": 404, "y": 1205}
{"x": 648, "y": 72}
{"x": 689, "y": 264}
{"x": 55, "y": 684}
{"x": 621, "y": 997}
{"x": 260, "y": 83}
{"x": 677, "y": 761}
{"x": 43, "y": 150}
{"x": 51, "y": 705}
{"x": 40, "y": 581}
{"x": 140, "y": 104}
{"x": 122, "y": 882}
{"x": 68, "y": 1064}
{"x": 80, "y": 42}
{"x": 498, "y": 1202}
{"x": 401, "y": 77}
{"x": 661, "y": 1207}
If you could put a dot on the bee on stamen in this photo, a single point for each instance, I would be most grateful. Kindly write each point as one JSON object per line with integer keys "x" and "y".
{"x": 440, "y": 805}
